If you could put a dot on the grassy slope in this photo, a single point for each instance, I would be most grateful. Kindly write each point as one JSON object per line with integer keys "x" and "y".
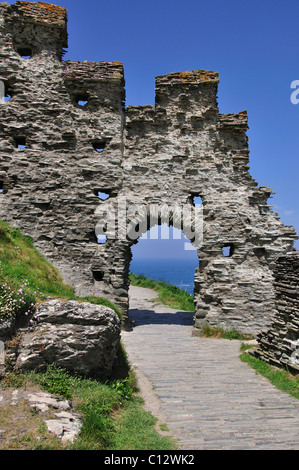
{"x": 21, "y": 262}
{"x": 280, "y": 378}
{"x": 168, "y": 294}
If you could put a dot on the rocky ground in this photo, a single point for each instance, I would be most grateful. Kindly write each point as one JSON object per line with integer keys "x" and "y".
{"x": 23, "y": 409}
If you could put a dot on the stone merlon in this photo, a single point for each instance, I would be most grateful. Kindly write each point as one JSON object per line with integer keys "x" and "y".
{"x": 40, "y": 12}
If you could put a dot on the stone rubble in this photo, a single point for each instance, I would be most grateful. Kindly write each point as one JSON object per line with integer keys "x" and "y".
{"x": 58, "y": 414}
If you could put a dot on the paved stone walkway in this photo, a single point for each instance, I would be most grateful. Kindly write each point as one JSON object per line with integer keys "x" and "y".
{"x": 211, "y": 400}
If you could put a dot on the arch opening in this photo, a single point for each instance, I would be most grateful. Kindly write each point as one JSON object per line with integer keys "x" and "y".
{"x": 165, "y": 255}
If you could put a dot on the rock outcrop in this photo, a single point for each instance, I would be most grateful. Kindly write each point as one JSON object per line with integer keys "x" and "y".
{"x": 80, "y": 337}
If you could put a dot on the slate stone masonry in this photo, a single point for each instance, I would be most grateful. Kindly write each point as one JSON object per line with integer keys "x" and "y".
{"x": 66, "y": 135}
{"x": 279, "y": 344}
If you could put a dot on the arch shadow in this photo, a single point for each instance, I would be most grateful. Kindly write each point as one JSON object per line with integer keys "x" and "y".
{"x": 141, "y": 317}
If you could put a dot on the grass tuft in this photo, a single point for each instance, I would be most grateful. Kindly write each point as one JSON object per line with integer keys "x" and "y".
{"x": 280, "y": 378}
{"x": 208, "y": 331}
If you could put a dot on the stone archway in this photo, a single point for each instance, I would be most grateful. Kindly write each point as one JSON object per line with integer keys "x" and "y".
{"x": 163, "y": 254}
{"x": 139, "y": 218}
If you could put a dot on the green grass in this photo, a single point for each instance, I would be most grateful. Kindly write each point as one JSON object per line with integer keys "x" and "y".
{"x": 217, "y": 332}
{"x": 135, "y": 430}
{"x": 280, "y": 378}
{"x": 22, "y": 263}
{"x": 112, "y": 412}
{"x": 168, "y": 294}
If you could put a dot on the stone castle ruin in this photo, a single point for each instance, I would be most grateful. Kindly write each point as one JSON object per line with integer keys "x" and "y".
{"x": 71, "y": 152}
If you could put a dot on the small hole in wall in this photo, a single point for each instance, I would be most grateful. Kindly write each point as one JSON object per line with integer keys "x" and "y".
{"x": 99, "y": 146}
{"x": 103, "y": 196}
{"x": 228, "y": 250}
{"x": 260, "y": 252}
{"x": 82, "y": 103}
{"x": 82, "y": 100}
{"x": 98, "y": 275}
{"x": 20, "y": 143}
{"x": 1, "y": 187}
{"x": 6, "y": 97}
{"x": 94, "y": 238}
{"x": 25, "y": 52}
{"x": 197, "y": 201}
{"x": 102, "y": 239}
{"x": 5, "y": 91}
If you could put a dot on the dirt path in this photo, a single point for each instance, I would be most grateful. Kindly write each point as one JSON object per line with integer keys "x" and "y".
{"x": 200, "y": 388}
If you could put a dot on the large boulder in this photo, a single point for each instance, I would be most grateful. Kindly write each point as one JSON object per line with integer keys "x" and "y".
{"x": 80, "y": 337}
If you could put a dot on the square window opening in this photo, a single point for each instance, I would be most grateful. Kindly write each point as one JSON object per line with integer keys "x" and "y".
{"x": 196, "y": 200}
{"x": 20, "y": 143}
{"x": 99, "y": 146}
{"x": 102, "y": 239}
{"x": 82, "y": 100}
{"x": 25, "y": 52}
{"x": 98, "y": 275}
{"x": 228, "y": 250}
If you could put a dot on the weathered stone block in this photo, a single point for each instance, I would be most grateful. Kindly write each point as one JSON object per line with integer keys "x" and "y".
{"x": 80, "y": 337}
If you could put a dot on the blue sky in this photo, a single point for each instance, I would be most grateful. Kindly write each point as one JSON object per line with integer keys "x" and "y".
{"x": 254, "y": 45}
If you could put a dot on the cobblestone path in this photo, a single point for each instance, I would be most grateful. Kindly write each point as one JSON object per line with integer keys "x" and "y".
{"x": 210, "y": 399}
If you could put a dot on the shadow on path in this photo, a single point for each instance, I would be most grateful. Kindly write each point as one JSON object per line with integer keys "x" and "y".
{"x": 151, "y": 317}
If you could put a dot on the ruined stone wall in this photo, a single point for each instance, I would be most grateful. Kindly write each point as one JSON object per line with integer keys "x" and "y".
{"x": 279, "y": 344}
{"x": 50, "y": 188}
{"x": 144, "y": 156}
{"x": 182, "y": 147}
